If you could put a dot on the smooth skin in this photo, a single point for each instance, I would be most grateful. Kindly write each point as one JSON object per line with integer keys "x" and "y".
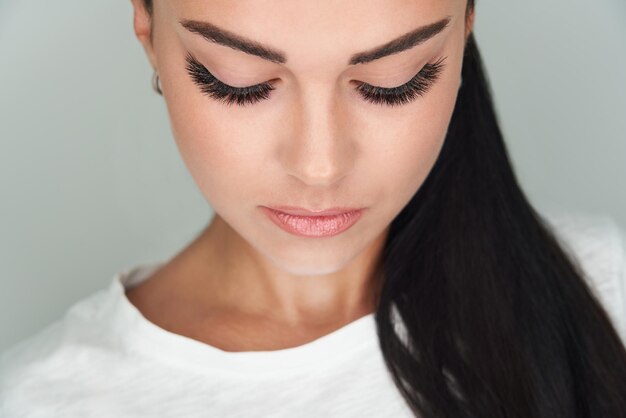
{"x": 244, "y": 284}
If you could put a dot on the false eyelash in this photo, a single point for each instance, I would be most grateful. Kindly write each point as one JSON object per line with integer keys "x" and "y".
{"x": 213, "y": 87}
{"x": 416, "y": 87}
{"x": 241, "y": 96}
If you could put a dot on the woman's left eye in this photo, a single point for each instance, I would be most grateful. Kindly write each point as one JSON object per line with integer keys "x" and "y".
{"x": 406, "y": 93}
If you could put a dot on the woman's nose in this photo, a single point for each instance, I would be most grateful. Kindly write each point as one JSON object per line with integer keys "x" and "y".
{"x": 319, "y": 150}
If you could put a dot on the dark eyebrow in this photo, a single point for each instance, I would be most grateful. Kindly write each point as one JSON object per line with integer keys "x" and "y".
{"x": 223, "y": 37}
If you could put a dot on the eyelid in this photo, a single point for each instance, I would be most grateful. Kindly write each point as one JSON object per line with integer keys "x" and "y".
{"x": 194, "y": 66}
{"x": 364, "y": 83}
{"x": 270, "y": 82}
{"x": 241, "y": 89}
{"x": 429, "y": 67}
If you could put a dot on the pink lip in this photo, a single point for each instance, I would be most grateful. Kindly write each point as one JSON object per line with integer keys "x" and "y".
{"x": 306, "y": 223}
{"x": 293, "y": 210}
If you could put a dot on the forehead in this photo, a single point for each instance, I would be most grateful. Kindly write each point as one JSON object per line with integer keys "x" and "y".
{"x": 318, "y": 9}
{"x": 322, "y": 29}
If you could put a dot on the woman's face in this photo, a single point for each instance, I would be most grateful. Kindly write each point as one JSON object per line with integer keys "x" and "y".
{"x": 315, "y": 141}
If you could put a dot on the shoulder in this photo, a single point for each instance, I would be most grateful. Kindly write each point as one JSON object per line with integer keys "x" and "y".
{"x": 597, "y": 244}
{"x": 33, "y": 367}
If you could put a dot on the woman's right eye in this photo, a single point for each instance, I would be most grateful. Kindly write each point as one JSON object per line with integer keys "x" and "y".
{"x": 223, "y": 92}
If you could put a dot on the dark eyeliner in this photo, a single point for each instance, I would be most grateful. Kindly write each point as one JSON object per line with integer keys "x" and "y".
{"x": 411, "y": 90}
{"x": 213, "y": 87}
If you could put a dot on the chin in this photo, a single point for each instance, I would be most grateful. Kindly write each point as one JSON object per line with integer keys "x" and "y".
{"x": 310, "y": 262}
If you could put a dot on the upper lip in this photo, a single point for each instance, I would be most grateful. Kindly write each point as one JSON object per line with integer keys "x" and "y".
{"x": 293, "y": 210}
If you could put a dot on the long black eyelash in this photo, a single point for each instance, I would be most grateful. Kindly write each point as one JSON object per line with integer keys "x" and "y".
{"x": 394, "y": 96}
{"x": 407, "y": 92}
{"x": 223, "y": 92}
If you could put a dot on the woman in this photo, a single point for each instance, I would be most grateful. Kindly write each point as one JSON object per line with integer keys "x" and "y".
{"x": 371, "y": 254}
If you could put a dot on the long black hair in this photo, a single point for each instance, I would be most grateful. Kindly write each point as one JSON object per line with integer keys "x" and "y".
{"x": 496, "y": 319}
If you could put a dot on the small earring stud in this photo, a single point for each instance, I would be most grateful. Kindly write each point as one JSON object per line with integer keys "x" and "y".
{"x": 156, "y": 84}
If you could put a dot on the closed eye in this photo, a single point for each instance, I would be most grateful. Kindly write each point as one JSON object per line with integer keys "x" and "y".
{"x": 407, "y": 92}
{"x": 241, "y": 96}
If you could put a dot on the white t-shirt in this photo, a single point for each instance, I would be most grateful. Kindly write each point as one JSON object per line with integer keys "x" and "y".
{"x": 104, "y": 359}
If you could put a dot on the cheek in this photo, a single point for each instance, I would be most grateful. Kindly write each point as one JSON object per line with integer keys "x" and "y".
{"x": 403, "y": 149}
{"x": 222, "y": 155}
{"x": 400, "y": 168}
{"x": 220, "y": 151}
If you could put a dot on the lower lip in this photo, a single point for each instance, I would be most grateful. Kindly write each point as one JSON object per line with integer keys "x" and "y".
{"x": 314, "y": 226}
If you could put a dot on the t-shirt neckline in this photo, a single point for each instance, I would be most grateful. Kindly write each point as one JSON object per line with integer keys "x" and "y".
{"x": 138, "y": 333}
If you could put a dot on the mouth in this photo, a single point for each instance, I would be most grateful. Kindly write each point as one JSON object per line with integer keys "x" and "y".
{"x": 307, "y": 223}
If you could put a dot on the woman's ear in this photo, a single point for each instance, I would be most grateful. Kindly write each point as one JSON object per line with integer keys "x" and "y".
{"x": 143, "y": 28}
{"x": 469, "y": 22}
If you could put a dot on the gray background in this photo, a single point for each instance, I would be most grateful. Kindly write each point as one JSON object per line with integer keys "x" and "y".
{"x": 91, "y": 181}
